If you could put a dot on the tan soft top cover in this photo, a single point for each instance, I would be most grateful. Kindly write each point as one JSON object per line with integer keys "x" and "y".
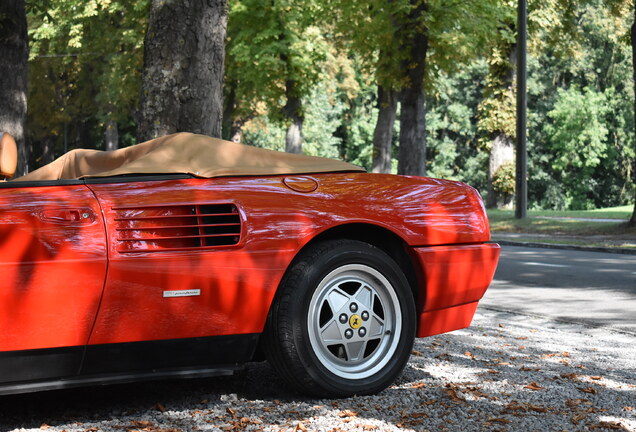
{"x": 187, "y": 153}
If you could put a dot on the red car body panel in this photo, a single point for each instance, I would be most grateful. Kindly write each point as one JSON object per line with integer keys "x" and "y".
{"x": 106, "y": 262}
{"x": 456, "y": 278}
{"x": 52, "y": 266}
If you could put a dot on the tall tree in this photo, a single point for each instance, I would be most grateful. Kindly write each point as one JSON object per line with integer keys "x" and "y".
{"x": 182, "y": 83}
{"x": 414, "y": 40}
{"x": 275, "y": 56}
{"x": 407, "y": 42}
{"x": 14, "y": 54}
{"x": 497, "y": 111}
{"x": 383, "y": 132}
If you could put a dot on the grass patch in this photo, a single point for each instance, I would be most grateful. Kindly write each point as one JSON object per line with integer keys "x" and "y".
{"x": 536, "y": 222}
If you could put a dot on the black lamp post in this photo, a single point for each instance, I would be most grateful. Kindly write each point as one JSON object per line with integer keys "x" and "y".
{"x": 521, "y": 207}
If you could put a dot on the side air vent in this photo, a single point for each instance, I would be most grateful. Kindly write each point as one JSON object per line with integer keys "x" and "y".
{"x": 176, "y": 227}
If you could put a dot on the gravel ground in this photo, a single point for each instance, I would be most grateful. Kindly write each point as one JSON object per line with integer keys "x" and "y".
{"x": 507, "y": 372}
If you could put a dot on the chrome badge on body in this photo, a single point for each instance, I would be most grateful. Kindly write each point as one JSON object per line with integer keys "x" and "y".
{"x": 182, "y": 293}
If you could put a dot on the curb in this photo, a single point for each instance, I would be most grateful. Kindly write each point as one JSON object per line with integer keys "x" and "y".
{"x": 622, "y": 251}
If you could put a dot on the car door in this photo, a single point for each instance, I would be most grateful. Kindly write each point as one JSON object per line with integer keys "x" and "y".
{"x": 52, "y": 270}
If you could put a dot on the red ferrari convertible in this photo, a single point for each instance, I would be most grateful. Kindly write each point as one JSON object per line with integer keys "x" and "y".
{"x": 188, "y": 256}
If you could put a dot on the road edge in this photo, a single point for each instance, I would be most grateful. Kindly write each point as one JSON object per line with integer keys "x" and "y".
{"x": 623, "y": 251}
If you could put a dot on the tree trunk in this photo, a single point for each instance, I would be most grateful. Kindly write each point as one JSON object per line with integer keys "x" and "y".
{"x": 111, "y": 136}
{"x": 182, "y": 81}
{"x": 412, "y": 151}
{"x": 232, "y": 125}
{"x": 48, "y": 151}
{"x": 383, "y": 133}
{"x": 632, "y": 220}
{"x": 294, "y": 111}
{"x": 502, "y": 150}
{"x": 14, "y": 46}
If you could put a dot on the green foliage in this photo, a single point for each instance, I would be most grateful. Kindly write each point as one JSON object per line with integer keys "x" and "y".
{"x": 453, "y": 149}
{"x": 503, "y": 181}
{"x": 270, "y": 44}
{"x": 578, "y": 134}
{"x": 581, "y": 124}
{"x": 86, "y": 59}
{"x": 84, "y": 69}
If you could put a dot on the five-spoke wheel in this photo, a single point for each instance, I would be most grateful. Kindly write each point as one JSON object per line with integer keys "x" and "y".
{"x": 354, "y": 321}
{"x": 343, "y": 321}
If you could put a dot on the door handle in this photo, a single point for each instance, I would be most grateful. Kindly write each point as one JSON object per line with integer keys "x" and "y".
{"x": 67, "y": 215}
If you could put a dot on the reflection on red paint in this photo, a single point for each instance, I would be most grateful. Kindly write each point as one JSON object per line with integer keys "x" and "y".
{"x": 52, "y": 266}
{"x": 230, "y": 238}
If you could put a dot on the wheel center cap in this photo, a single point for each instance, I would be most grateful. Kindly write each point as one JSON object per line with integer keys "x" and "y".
{"x": 355, "y": 321}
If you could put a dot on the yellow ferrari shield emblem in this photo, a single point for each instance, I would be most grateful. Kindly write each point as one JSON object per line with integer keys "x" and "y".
{"x": 355, "y": 321}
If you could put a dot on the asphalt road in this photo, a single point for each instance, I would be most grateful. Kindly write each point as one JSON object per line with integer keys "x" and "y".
{"x": 594, "y": 288}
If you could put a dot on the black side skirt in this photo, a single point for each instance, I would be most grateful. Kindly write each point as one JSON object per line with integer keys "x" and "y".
{"x": 54, "y": 368}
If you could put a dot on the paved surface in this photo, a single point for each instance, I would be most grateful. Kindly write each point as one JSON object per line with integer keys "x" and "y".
{"x": 594, "y": 288}
{"x": 507, "y": 372}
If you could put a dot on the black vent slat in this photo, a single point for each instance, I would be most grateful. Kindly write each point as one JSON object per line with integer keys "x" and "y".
{"x": 179, "y": 237}
{"x": 177, "y": 216}
{"x": 177, "y": 227}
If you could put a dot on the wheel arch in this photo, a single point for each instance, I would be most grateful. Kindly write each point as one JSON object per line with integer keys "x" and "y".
{"x": 382, "y": 238}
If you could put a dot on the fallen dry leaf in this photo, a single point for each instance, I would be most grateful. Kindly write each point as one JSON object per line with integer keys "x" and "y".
{"x": 628, "y": 408}
{"x": 596, "y": 378}
{"x": 141, "y": 423}
{"x": 160, "y": 407}
{"x": 590, "y": 390}
{"x": 578, "y": 417}
{"x": 44, "y": 426}
{"x": 571, "y": 376}
{"x": 514, "y": 406}
{"x": 347, "y": 413}
{"x": 525, "y": 407}
{"x": 301, "y": 427}
{"x": 368, "y": 427}
{"x": 537, "y": 408}
{"x": 453, "y": 395}
{"x": 534, "y": 386}
{"x": 498, "y": 420}
{"x": 529, "y": 369}
{"x": 418, "y": 385}
{"x": 230, "y": 411}
{"x": 608, "y": 425}
{"x": 576, "y": 402}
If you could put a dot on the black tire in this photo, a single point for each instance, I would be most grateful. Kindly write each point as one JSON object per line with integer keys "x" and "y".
{"x": 343, "y": 320}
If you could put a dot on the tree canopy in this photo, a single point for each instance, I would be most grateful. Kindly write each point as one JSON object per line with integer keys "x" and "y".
{"x": 339, "y": 76}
